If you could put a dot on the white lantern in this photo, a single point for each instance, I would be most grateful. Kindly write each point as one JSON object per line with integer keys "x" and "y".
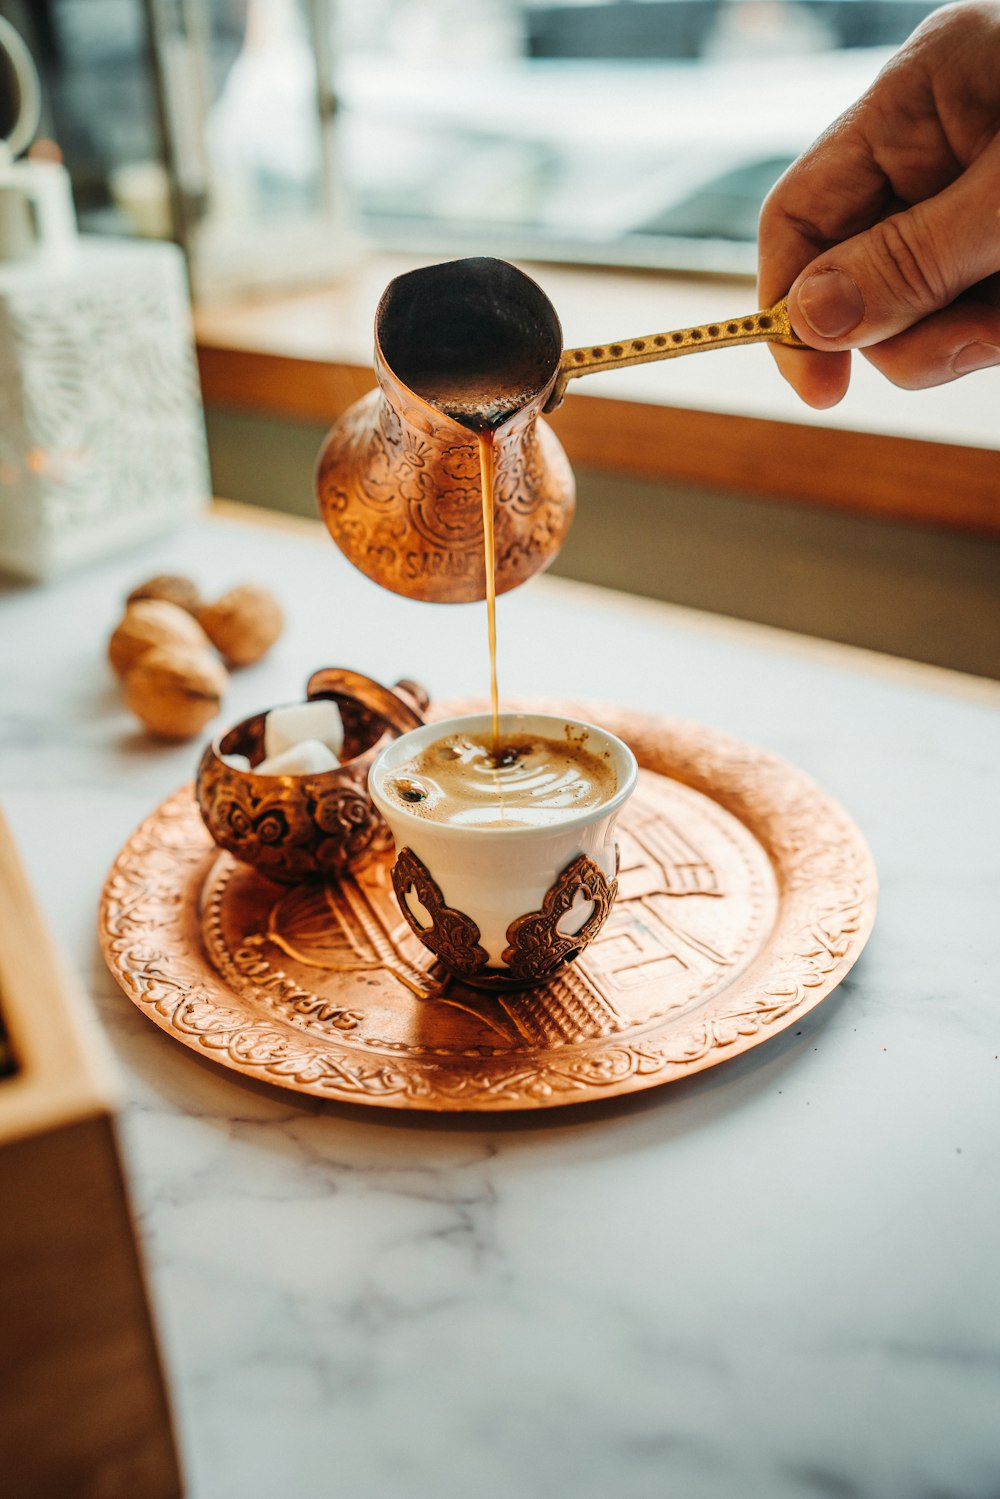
{"x": 102, "y": 439}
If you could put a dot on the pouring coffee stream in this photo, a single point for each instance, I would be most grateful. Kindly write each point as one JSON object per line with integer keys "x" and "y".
{"x": 444, "y": 484}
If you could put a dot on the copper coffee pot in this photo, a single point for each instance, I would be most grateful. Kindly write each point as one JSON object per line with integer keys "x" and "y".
{"x": 465, "y": 347}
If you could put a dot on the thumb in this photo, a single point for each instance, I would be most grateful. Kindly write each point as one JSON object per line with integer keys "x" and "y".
{"x": 880, "y": 282}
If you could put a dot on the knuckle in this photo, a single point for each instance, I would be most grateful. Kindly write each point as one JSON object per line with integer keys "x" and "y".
{"x": 906, "y": 261}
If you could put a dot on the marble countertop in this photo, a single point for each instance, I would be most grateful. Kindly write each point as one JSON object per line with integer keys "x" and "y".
{"x": 777, "y": 1278}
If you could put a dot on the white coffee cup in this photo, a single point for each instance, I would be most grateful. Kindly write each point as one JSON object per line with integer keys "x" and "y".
{"x": 506, "y": 906}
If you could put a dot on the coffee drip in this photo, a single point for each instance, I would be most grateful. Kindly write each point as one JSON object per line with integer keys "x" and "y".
{"x": 481, "y": 363}
{"x": 482, "y": 403}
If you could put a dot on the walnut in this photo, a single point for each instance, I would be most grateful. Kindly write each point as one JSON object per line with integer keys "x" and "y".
{"x": 172, "y": 587}
{"x": 243, "y": 624}
{"x": 175, "y": 690}
{"x": 148, "y": 623}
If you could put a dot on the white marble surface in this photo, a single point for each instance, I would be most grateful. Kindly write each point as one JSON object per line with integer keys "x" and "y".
{"x": 777, "y": 1279}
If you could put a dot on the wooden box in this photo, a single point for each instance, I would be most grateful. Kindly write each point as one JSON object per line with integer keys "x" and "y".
{"x": 82, "y": 1394}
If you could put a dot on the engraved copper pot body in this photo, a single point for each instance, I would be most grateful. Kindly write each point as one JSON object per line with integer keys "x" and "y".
{"x": 398, "y": 481}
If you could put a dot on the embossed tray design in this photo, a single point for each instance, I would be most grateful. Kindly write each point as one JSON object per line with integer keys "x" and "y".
{"x": 745, "y": 895}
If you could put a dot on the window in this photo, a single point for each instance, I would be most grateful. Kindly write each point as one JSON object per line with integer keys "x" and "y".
{"x": 643, "y": 132}
{"x": 633, "y": 132}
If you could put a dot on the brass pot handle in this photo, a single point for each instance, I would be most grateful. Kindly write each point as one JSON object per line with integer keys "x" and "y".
{"x": 391, "y": 707}
{"x": 770, "y": 326}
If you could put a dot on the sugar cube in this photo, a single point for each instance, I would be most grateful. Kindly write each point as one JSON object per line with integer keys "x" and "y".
{"x": 236, "y": 762}
{"x": 317, "y": 720}
{"x": 308, "y": 757}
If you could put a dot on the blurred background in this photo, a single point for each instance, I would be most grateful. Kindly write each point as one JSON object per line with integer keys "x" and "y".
{"x": 626, "y": 132}
{"x": 621, "y": 149}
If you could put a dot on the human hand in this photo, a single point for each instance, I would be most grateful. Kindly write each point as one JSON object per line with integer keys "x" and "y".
{"x": 887, "y": 230}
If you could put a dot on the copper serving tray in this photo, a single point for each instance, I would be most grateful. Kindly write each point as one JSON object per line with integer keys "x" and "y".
{"x": 745, "y": 896}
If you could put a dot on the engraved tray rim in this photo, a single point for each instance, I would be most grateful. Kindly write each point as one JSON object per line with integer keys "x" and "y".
{"x": 827, "y": 895}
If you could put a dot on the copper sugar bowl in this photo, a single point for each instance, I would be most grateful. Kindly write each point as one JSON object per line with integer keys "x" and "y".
{"x": 398, "y": 481}
{"x": 308, "y": 827}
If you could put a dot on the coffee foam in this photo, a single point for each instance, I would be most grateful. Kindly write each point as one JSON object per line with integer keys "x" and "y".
{"x": 535, "y": 781}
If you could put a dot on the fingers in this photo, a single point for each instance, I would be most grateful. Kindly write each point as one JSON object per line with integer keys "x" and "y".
{"x": 932, "y": 113}
{"x": 820, "y": 380}
{"x": 901, "y": 270}
{"x": 898, "y": 274}
{"x": 956, "y": 341}
{"x": 831, "y": 192}
{"x": 839, "y": 234}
